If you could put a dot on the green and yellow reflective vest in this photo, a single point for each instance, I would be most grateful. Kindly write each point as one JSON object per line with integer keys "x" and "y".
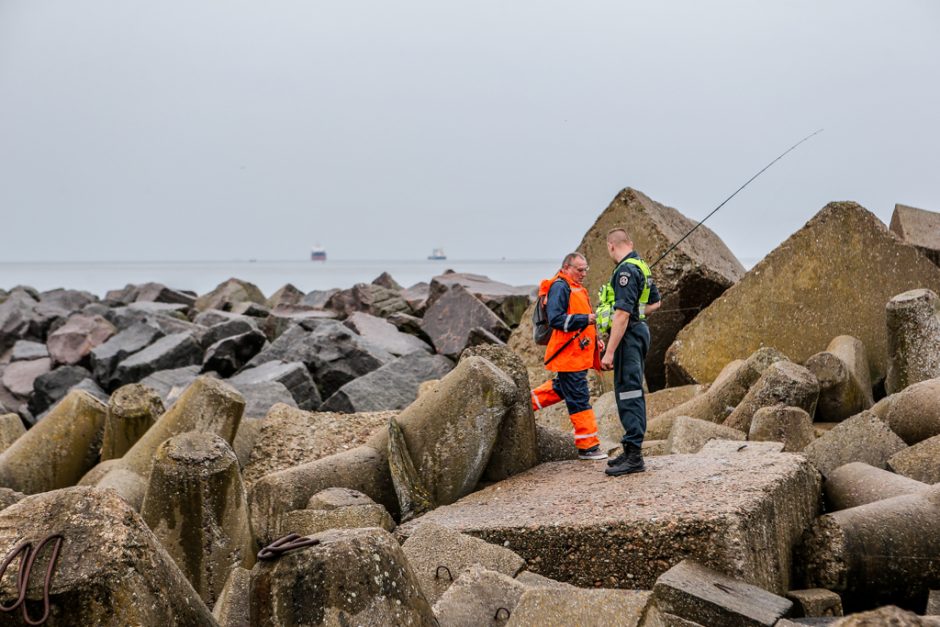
{"x": 606, "y": 297}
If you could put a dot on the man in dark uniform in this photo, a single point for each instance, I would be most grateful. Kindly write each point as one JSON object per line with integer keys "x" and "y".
{"x": 635, "y": 296}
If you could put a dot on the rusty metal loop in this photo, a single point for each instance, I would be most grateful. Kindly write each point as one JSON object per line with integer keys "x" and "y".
{"x": 28, "y": 557}
{"x": 437, "y": 573}
{"x": 501, "y": 609}
{"x": 290, "y": 542}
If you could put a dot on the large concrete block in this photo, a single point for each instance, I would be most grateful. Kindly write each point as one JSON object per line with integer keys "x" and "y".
{"x": 689, "y": 435}
{"x": 919, "y": 228}
{"x": 779, "y": 423}
{"x": 920, "y": 462}
{"x": 844, "y": 379}
{"x": 740, "y": 514}
{"x": 477, "y": 598}
{"x": 857, "y": 484}
{"x": 111, "y": 570}
{"x": 691, "y": 277}
{"x": 914, "y": 413}
{"x": 786, "y": 300}
{"x": 782, "y": 383}
{"x": 913, "y": 320}
{"x": 862, "y": 438}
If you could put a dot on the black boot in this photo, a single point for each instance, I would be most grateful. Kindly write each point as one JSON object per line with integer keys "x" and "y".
{"x": 632, "y": 462}
{"x": 614, "y": 461}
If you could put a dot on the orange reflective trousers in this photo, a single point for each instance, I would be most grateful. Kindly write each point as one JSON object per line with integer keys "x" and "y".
{"x": 585, "y": 423}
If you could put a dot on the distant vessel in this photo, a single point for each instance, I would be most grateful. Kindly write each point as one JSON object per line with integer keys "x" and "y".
{"x": 318, "y": 254}
{"x": 437, "y": 254}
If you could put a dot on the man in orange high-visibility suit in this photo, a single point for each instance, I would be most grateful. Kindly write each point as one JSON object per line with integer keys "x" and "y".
{"x": 571, "y": 352}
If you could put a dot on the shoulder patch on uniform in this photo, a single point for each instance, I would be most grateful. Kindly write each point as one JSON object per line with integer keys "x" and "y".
{"x": 624, "y": 279}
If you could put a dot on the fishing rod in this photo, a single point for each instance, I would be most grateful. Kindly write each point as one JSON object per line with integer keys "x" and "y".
{"x": 782, "y": 155}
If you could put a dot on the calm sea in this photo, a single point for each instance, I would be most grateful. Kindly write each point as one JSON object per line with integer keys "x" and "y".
{"x": 201, "y": 277}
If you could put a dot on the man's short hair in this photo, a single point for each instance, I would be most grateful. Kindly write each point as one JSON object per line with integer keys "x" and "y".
{"x": 571, "y": 257}
{"x": 618, "y": 236}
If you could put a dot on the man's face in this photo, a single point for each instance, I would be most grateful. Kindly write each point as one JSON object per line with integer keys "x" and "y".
{"x": 577, "y": 269}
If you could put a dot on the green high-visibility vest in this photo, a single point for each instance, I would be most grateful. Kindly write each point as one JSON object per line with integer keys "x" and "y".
{"x": 606, "y": 296}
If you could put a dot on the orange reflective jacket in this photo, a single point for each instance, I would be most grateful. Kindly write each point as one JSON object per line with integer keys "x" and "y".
{"x": 580, "y": 353}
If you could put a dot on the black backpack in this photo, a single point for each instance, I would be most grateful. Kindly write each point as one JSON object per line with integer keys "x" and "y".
{"x": 541, "y": 331}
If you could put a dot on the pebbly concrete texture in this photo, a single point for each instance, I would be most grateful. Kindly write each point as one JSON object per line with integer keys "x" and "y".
{"x": 862, "y": 438}
{"x": 726, "y": 448}
{"x": 689, "y": 435}
{"x": 477, "y": 597}
{"x": 918, "y": 227}
{"x": 887, "y": 615}
{"x": 8, "y": 497}
{"x": 690, "y": 278}
{"x": 815, "y": 602}
{"x": 111, "y": 570}
{"x": 430, "y": 546}
{"x": 59, "y": 449}
{"x": 722, "y": 396}
{"x": 196, "y": 506}
{"x": 881, "y": 552}
{"x": 232, "y": 607}
{"x": 780, "y": 423}
{"x": 307, "y": 522}
{"x": 534, "y": 580}
{"x": 844, "y": 380}
{"x": 914, "y": 413}
{"x": 586, "y": 608}
{"x": 132, "y": 409}
{"x": 11, "y": 429}
{"x": 692, "y": 591}
{"x": 783, "y": 382}
{"x": 741, "y": 514}
{"x": 857, "y": 484}
{"x": 515, "y": 449}
{"x": 920, "y": 462}
{"x": 665, "y": 399}
{"x": 350, "y": 577}
{"x": 786, "y": 299}
{"x": 913, "y": 320}
{"x": 290, "y": 437}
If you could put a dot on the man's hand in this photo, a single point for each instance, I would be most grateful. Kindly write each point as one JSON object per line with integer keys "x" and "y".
{"x": 607, "y": 361}
{"x": 600, "y": 345}
{"x": 591, "y": 318}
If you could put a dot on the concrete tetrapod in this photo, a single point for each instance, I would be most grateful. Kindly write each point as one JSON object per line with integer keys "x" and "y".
{"x": 882, "y": 552}
{"x": 111, "y": 570}
{"x": 196, "y": 506}
{"x": 349, "y": 577}
{"x": 913, "y": 320}
{"x": 844, "y": 379}
{"x": 59, "y": 449}
{"x": 208, "y": 405}
{"x": 11, "y": 428}
{"x": 858, "y": 483}
{"x": 783, "y": 382}
{"x": 132, "y": 409}
{"x": 716, "y": 403}
{"x": 914, "y": 413}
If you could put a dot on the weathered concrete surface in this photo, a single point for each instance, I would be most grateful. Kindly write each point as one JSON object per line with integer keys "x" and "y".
{"x": 780, "y": 423}
{"x": 782, "y": 383}
{"x": 692, "y": 591}
{"x": 414, "y": 498}
{"x": 913, "y": 320}
{"x": 291, "y": 437}
{"x": 307, "y": 522}
{"x": 534, "y": 580}
{"x": 111, "y": 570}
{"x": 815, "y": 602}
{"x": 857, "y": 484}
{"x": 232, "y": 607}
{"x": 862, "y": 438}
{"x": 8, "y": 497}
{"x": 914, "y": 413}
{"x": 515, "y": 449}
{"x": 431, "y": 546}
{"x": 11, "y": 428}
{"x": 350, "y": 577}
{"x": 663, "y": 400}
{"x": 726, "y": 448}
{"x": 59, "y": 449}
{"x": 689, "y": 435}
{"x": 888, "y": 615}
{"x": 554, "y": 445}
{"x": 195, "y": 505}
{"x": 920, "y": 462}
{"x": 919, "y": 228}
{"x": 786, "y": 299}
{"x": 132, "y": 409}
{"x": 690, "y": 278}
{"x": 586, "y": 608}
{"x": 476, "y": 598}
{"x": 740, "y": 514}
{"x": 882, "y": 552}
{"x": 844, "y": 379}
{"x": 724, "y": 394}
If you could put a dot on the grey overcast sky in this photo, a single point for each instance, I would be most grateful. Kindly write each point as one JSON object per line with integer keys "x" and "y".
{"x": 233, "y": 129}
